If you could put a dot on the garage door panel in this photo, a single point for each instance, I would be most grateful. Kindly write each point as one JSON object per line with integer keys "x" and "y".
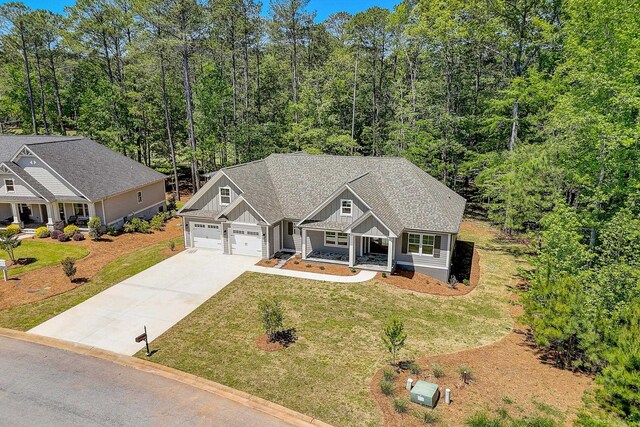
{"x": 246, "y": 241}
{"x": 206, "y": 235}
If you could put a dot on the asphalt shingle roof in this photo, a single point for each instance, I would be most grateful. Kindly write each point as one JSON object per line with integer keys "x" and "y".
{"x": 398, "y": 192}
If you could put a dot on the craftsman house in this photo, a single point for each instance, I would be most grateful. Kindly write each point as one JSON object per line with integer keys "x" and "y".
{"x": 49, "y": 180}
{"x": 366, "y": 212}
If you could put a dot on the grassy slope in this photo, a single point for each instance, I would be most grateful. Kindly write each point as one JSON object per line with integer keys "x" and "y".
{"x": 44, "y": 253}
{"x": 27, "y": 316}
{"x": 327, "y": 372}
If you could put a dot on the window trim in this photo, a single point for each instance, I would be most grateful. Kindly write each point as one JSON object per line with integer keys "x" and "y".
{"x": 139, "y": 197}
{"x": 220, "y": 196}
{"x": 336, "y": 244}
{"x": 85, "y": 210}
{"x": 350, "y": 207}
{"x": 421, "y": 244}
{"x": 13, "y": 185}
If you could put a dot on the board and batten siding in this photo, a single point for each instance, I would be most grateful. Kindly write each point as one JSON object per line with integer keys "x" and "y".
{"x": 46, "y": 176}
{"x": 436, "y": 266}
{"x": 210, "y": 200}
{"x": 371, "y": 227}
{"x": 243, "y": 213}
{"x": 20, "y": 189}
{"x": 331, "y": 212}
{"x": 291, "y": 242}
{"x": 315, "y": 242}
{"x": 125, "y": 204}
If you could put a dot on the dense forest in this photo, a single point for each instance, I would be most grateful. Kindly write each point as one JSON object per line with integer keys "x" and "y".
{"x": 530, "y": 108}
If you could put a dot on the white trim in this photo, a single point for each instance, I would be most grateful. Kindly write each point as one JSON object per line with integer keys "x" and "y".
{"x": 19, "y": 154}
{"x": 362, "y": 218}
{"x": 15, "y": 176}
{"x": 139, "y": 196}
{"x": 207, "y": 185}
{"x": 220, "y": 196}
{"x": 350, "y": 207}
{"x": 421, "y": 244}
{"x": 336, "y": 245}
{"x": 329, "y": 199}
{"x": 228, "y": 208}
{"x": 421, "y": 265}
{"x": 13, "y": 185}
{"x": 255, "y": 210}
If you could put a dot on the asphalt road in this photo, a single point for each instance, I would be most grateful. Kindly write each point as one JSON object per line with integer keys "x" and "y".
{"x": 40, "y": 385}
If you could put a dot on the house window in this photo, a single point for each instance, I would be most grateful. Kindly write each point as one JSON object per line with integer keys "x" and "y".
{"x": 345, "y": 207}
{"x": 333, "y": 238}
{"x": 290, "y": 228}
{"x": 225, "y": 195}
{"x": 81, "y": 209}
{"x": 8, "y": 184}
{"x": 421, "y": 244}
{"x": 139, "y": 196}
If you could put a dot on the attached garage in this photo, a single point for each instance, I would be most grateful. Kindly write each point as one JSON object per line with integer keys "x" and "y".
{"x": 246, "y": 241}
{"x": 206, "y": 235}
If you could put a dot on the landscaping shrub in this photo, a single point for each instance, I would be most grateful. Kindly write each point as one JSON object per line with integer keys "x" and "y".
{"x": 321, "y": 267}
{"x": 464, "y": 368}
{"x": 78, "y": 237}
{"x": 308, "y": 266}
{"x": 136, "y": 225}
{"x": 112, "y": 231}
{"x": 69, "y": 267}
{"x": 12, "y": 229}
{"x": 400, "y": 405}
{"x": 427, "y": 417}
{"x": 94, "y": 225}
{"x": 157, "y": 222}
{"x": 63, "y": 237}
{"x": 71, "y": 230}
{"x": 438, "y": 370}
{"x": 384, "y": 275}
{"x": 386, "y": 387}
{"x": 413, "y": 367}
{"x": 172, "y": 245}
{"x": 351, "y": 269}
{"x": 56, "y": 233}
{"x": 481, "y": 419}
{"x": 43, "y": 232}
{"x": 296, "y": 262}
{"x": 9, "y": 242}
{"x": 388, "y": 374}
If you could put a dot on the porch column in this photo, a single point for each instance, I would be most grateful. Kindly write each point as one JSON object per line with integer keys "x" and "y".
{"x": 390, "y": 253}
{"x": 50, "y": 213}
{"x": 304, "y": 243}
{"x": 92, "y": 210}
{"x": 16, "y": 214}
{"x": 55, "y": 211}
{"x": 352, "y": 250}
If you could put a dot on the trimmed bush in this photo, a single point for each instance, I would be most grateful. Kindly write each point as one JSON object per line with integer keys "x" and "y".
{"x": 69, "y": 267}
{"x": 112, "y": 231}
{"x": 136, "y": 225}
{"x": 43, "y": 232}
{"x": 386, "y": 387}
{"x": 157, "y": 222}
{"x": 78, "y": 237}
{"x": 63, "y": 237}
{"x": 400, "y": 405}
{"x": 55, "y": 234}
{"x": 94, "y": 225}
{"x": 12, "y": 229}
{"x": 70, "y": 230}
{"x": 172, "y": 245}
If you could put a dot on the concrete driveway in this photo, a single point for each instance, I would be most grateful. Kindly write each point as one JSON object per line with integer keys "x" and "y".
{"x": 158, "y": 297}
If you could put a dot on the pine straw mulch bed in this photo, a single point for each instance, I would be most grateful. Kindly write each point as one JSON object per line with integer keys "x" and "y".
{"x": 418, "y": 282}
{"x": 49, "y": 281}
{"x": 506, "y": 374}
{"x": 319, "y": 267}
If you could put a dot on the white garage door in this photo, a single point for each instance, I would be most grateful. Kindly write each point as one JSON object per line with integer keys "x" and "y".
{"x": 206, "y": 235}
{"x": 246, "y": 241}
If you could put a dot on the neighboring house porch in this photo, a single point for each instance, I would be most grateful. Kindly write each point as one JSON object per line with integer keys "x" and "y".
{"x": 29, "y": 215}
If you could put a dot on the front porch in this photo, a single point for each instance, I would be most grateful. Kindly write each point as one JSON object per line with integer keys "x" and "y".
{"x": 358, "y": 251}
{"x": 30, "y": 216}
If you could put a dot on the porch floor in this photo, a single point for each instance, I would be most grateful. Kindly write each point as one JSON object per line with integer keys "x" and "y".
{"x": 371, "y": 261}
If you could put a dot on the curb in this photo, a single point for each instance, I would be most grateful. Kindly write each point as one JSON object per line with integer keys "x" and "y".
{"x": 277, "y": 411}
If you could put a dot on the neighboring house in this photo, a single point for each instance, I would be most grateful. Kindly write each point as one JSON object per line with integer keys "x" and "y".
{"x": 49, "y": 180}
{"x": 366, "y": 212}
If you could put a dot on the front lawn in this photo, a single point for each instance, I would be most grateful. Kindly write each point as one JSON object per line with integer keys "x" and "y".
{"x": 27, "y": 316}
{"x": 327, "y": 373}
{"x": 43, "y": 254}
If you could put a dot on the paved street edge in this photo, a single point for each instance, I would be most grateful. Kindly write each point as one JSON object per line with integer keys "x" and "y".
{"x": 245, "y": 399}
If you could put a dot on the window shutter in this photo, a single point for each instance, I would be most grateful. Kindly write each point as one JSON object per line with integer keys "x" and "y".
{"x": 436, "y": 246}
{"x": 405, "y": 242}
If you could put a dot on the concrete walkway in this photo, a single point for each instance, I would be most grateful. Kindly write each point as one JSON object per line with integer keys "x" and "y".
{"x": 362, "y": 276}
{"x": 158, "y": 297}
{"x": 59, "y": 384}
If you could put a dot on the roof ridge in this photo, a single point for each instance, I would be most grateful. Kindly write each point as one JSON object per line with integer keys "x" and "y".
{"x": 241, "y": 164}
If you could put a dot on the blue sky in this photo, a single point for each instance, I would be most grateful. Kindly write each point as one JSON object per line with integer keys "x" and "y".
{"x": 323, "y": 7}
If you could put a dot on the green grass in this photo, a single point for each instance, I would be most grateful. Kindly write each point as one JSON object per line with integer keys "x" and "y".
{"x": 44, "y": 253}
{"x": 25, "y": 317}
{"x": 327, "y": 373}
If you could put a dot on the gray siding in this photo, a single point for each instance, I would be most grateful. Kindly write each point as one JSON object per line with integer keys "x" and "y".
{"x": 315, "y": 242}
{"x": 5, "y": 211}
{"x": 276, "y": 232}
{"x": 266, "y": 242}
{"x": 20, "y": 189}
{"x": 126, "y": 204}
{"x": 210, "y": 199}
{"x": 425, "y": 260}
{"x": 331, "y": 212}
{"x": 291, "y": 242}
{"x": 371, "y": 227}
{"x": 46, "y": 176}
{"x": 436, "y": 273}
{"x": 244, "y": 214}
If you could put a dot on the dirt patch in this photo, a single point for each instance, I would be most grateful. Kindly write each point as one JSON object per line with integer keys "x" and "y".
{"x": 264, "y": 344}
{"x": 49, "y": 281}
{"x": 319, "y": 267}
{"x": 418, "y": 282}
{"x": 506, "y": 374}
{"x": 267, "y": 262}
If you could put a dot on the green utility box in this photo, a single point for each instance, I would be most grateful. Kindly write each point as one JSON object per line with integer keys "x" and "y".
{"x": 424, "y": 393}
